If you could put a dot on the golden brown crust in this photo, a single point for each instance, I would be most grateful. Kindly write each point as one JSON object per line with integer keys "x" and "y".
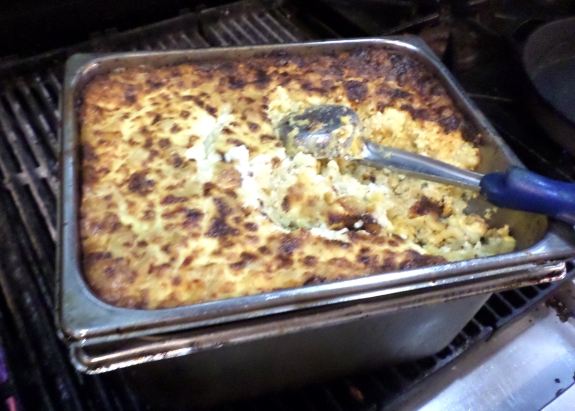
{"x": 159, "y": 229}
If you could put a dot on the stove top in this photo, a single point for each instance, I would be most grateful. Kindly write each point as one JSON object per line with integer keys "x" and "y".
{"x": 475, "y": 39}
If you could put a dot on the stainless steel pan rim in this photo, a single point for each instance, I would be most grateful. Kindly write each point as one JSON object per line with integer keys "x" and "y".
{"x": 82, "y": 316}
{"x": 99, "y": 355}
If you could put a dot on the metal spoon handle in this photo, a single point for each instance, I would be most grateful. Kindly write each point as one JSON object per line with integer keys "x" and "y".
{"x": 419, "y": 166}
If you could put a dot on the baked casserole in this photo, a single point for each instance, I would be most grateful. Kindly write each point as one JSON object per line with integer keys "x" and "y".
{"x": 188, "y": 195}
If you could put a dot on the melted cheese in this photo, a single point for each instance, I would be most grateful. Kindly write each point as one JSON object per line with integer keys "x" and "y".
{"x": 188, "y": 195}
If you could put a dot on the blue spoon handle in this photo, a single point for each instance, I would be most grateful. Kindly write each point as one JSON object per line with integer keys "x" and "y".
{"x": 523, "y": 190}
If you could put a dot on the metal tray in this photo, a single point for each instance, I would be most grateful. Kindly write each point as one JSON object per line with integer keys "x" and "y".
{"x": 85, "y": 319}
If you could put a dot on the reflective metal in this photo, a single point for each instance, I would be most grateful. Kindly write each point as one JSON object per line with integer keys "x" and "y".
{"x": 86, "y": 321}
{"x": 525, "y": 366}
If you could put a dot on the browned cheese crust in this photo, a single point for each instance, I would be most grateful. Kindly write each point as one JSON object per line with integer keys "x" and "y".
{"x": 159, "y": 229}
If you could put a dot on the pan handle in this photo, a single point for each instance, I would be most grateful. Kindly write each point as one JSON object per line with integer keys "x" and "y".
{"x": 524, "y": 190}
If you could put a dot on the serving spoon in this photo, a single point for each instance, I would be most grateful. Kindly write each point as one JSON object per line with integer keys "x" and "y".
{"x": 333, "y": 131}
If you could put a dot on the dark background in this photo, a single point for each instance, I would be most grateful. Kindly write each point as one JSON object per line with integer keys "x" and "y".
{"x": 32, "y": 26}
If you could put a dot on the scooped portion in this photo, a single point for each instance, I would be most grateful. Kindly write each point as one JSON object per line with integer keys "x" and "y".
{"x": 188, "y": 194}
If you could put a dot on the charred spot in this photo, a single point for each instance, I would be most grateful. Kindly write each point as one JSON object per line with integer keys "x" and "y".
{"x": 88, "y": 152}
{"x": 235, "y": 83}
{"x": 222, "y": 207}
{"x": 308, "y": 86}
{"x": 148, "y": 143}
{"x": 417, "y": 113}
{"x": 220, "y": 228}
{"x": 176, "y": 281}
{"x": 286, "y": 204}
{"x": 314, "y": 280}
{"x": 284, "y": 261}
{"x": 251, "y": 226}
{"x": 187, "y": 261}
{"x": 89, "y": 175}
{"x": 175, "y": 129}
{"x": 154, "y": 85}
{"x": 416, "y": 260}
{"x": 450, "y": 123}
{"x": 94, "y": 257}
{"x": 109, "y": 224}
{"x": 338, "y": 221}
{"x": 371, "y": 227}
{"x": 262, "y": 79}
{"x": 129, "y": 95}
{"x": 164, "y": 143}
{"x": 249, "y": 100}
{"x": 310, "y": 261}
{"x": 264, "y": 250}
{"x": 184, "y": 114}
{"x": 211, "y": 110}
{"x": 253, "y": 126}
{"x": 149, "y": 215}
{"x": 187, "y": 98}
{"x": 192, "y": 218}
{"x": 110, "y": 272}
{"x": 289, "y": 244}
{"x": 364, "y": 259}
{"x": 245, "y": 259}
{"x": 171, "y": 199}
{"x": 177, "y": 161}
{"x": 156, "y": 119}
{"x": 153, "y": 154}
{"x": 267, "y": 137}
{"x": 166, "y": 249}
{"x": 327, "y": 84}
{"x": 235, "y": 142}
{"x": 138, "y": 183}
{"x": 355, "y": 90}
{"x": 227, "y": 130}
{"x": 426, "y": 206}
{"x": 381, "y": 106}
{"x": 394, "y": 93}
{"x": 207, "y": 188}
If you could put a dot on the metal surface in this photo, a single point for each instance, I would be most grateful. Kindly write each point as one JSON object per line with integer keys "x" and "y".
{"x": 82, "y": 316}
{"x": 524, "y": 367}
{"x": 110, "y": 354}
{"x": 549, "y": 62}
{"x": 333, "y": 130}
{"x": 420, "y": 166}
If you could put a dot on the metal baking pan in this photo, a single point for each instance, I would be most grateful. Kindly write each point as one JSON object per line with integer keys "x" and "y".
{"x": 85, "y": 321}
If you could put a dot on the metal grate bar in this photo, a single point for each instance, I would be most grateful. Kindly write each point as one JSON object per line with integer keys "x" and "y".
{"x": 285, "y": 28}
{"x": 171, "y": 41}
{"x": 47, "y": 129}
{"x": 45, "y": 158}
{"x": 48, "y": 102}
{"x": 34, "y": 328}
{"x": 243, "y": 33}
{"x": 271, "y": 34}
{"x": 44, "y": 199}
{"x": 253, "y": 29}
{"x": 198, "y": 42}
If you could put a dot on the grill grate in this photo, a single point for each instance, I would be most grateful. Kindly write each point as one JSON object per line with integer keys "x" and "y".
{"x": 29, "y": 119}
